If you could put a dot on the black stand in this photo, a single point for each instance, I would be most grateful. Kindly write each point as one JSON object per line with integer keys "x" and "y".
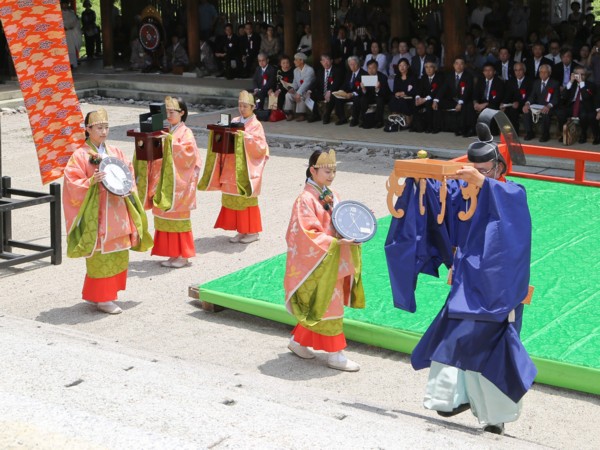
{"x": 8, "y": 204}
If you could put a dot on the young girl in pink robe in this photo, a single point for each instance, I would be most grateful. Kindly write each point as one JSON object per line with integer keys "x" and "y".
{"x": 239, "y": 176}
{"x": 323, "y": 271}
{"x": 171, "y": 188}
{"x": 101, "y": 227}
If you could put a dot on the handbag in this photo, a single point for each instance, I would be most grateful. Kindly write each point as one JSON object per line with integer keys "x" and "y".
{"x": 276, "y": 115}
{"x": 570, "y": 132}
{"x": 394, "y": 122}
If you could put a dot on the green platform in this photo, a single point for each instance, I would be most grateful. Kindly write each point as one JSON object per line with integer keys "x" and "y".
{"x": 561, "y": 327}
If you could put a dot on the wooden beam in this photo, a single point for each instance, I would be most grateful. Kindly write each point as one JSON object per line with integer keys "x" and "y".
{"x": 320, "y": 18}
{"x": 192, "y": 32}
{"x": 455, "y": 27}
{"x": 399, "y": 24}
{"x": 289, "y": 27}
{"x": 107, "y": 33}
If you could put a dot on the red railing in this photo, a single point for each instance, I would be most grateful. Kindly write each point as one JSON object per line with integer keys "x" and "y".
{"x": 579, "y": 158}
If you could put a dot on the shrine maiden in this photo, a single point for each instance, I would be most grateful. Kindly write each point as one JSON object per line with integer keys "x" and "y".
{"x": 239, "y": 175}
{"x": 101, "y": 227}
{"x": 168, "y": 186}
{"x": 323, "y": 271}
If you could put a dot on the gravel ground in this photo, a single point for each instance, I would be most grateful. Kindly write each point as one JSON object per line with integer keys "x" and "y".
{"x": 287, "y": 403}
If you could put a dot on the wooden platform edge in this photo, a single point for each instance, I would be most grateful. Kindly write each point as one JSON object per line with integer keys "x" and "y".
{"x": 194, "y": 293}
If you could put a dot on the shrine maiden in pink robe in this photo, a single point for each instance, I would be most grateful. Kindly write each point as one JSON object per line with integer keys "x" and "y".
{"x": 239, "y": 175}
{"x": 169, "y": 186}
{"x": 101, "y": 226}
{"x": 323, "y": 271}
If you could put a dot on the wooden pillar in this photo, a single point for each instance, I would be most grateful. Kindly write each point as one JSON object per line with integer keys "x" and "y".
{"x": 107, "y": 33}
{"x": 455, "y": 27}
{"x": 320, "y": 19}
{"x": 399, "y": 24}
{"x": 193, "y": 32}
{"x": 289, "y": 27}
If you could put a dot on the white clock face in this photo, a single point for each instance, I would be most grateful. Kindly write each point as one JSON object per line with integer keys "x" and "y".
{"x": 118, "y": 179}
{"x": 353, "y": 220}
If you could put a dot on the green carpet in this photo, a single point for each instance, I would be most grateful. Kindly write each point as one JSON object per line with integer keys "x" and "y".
{"x": 561, "y": 327}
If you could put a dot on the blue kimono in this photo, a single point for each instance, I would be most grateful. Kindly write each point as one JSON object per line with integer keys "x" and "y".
{"x": 490, "y": 278}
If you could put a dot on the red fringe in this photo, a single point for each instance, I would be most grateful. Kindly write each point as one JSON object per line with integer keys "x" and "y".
{"x": 174, "y": 245}
{"x": 307, "y": 338}
{"x": 247, "y": 221}
{"x": 100, "y": 290}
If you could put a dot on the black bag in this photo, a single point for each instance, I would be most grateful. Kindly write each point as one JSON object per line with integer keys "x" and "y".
{"x": 263, "y": 114}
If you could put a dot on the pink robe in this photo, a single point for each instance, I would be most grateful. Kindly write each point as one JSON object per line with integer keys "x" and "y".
{"x": 223, "y": 176}
{"x": 309, "y": 236}
{"x": 116, "y": 230}
{"x": 187, "y": 162}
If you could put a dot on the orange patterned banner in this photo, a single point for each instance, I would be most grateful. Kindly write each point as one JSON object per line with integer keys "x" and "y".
{"x": 36, "y": 37}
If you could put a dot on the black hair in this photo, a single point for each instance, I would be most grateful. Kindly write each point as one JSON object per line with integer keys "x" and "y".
{"x": 86, "y": 121}
{"x": 312, "y": 161}
{"x": 182, "y": 107}
{"x": 373, "y": 62}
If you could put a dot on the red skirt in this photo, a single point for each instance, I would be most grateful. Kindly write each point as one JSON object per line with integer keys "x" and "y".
{"x": 246, "y": 221}
{"x": 307, "y": 338}
{"x": 99, "y": 290}
{"x": 174, "y": 245}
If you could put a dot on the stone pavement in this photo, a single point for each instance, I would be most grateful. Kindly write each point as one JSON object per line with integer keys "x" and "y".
{"x": 60, "y": 390}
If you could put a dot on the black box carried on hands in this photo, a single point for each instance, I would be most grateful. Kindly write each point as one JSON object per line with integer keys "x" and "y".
{"x": 154, "y": 120}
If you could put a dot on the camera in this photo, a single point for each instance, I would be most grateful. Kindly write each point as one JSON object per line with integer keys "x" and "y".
{"x": 577, "y": 77}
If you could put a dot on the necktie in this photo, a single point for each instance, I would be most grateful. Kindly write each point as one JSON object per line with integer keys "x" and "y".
{"x": 325, "y": 81}
{"x": 430, "y": 80}
{"x": 519, "y": 83}
{"x": 577, "y": 105}
{"x": 487, "y": 89}
{"x": 543, "y": 86}
{"x": 456, "y": 82}
{"x": 352, "y": 81}
{"x": 422, "y": 67}
{"x": 505, "y": 72}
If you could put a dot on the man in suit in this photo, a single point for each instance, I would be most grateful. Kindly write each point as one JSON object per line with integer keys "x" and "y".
{"x": 251, "y": 47}
{"x": 504, "y": 65}
{"x": 228, "y": 52}
{"x": 580, "y": 101}
{"x": 536, "y": 60}
{"x": 517, "y": 92}
{"x": 417, "y": 63}
{"x": 264, "y": 80}
{"x": 378, "y": 95}
{"x": 328, "y": 79}
{"x": 429, "y": 86}
{"x": 545, "y": 92}
{"x": 562, "y": 71}
{"x": 489, "y": 91}
{"x": 341, "y": 49}
{"x": 304, "y": 77}
{"x": 456, "y": 94}
{"x": 352, "y": 89}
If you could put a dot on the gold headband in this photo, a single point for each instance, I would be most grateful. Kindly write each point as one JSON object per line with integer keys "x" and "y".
{"x": 172, "y": 103}
{"x": 246, "y": 97}
{"x": 326, "y": 160}
{"x": 96, "y": 117}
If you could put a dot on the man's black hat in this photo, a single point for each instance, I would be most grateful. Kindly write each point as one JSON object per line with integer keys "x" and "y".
{"x": 485, "y": 149}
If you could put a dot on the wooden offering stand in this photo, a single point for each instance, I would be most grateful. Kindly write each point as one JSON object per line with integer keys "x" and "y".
{"x": 420, "y": 170}
{"x": 148, "y": 144}
{"x": 223, "y": 138}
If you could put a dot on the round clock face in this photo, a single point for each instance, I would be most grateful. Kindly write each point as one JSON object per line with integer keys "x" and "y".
{"x": 353, "y": 220}
{"x": 118, "y": 179}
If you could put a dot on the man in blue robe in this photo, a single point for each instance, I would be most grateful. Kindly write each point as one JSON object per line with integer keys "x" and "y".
{"x": 473, "y": 347}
